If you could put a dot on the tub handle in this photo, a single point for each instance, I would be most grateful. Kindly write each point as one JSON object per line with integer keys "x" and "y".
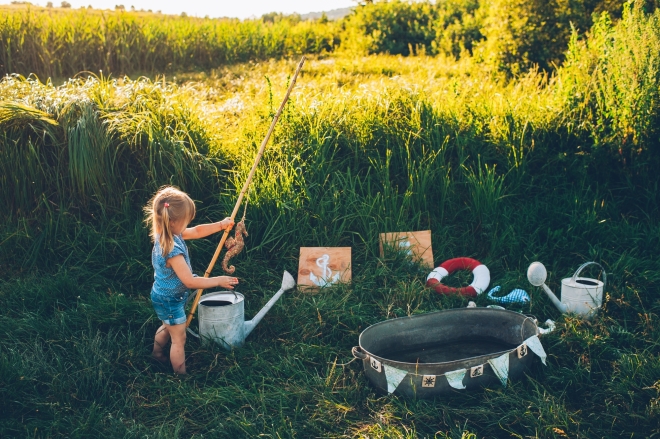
{"x": 551, "y": 327}
{"x": 357, "y": 353}
{"x": 532, "y": 317}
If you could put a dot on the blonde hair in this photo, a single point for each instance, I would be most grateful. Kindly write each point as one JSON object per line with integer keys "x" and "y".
{"x": 168, "y": 204}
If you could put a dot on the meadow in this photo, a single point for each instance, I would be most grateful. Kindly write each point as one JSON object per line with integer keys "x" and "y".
{"x": 559, "y": 167}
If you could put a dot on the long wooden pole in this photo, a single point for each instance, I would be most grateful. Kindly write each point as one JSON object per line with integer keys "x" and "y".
{"x": 207, "y": 273}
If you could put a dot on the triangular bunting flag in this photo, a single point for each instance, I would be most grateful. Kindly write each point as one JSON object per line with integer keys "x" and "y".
{"x": 534, "y": 344}
{"x": 393, "y": 376}
{"x": 455, "y": 378}
{"x": 500, "y": 366}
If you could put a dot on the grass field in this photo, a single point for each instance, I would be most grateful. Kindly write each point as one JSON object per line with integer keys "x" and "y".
{"x": 558, "y": 169}
{"x": 56, "y": 42}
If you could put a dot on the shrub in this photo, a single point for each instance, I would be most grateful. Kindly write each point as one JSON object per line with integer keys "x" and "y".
{"x": 609, "y": 86}
{"x": 394, "y": 27}
{"x": 458, "y": 27}
{"x": 522, "y": 34}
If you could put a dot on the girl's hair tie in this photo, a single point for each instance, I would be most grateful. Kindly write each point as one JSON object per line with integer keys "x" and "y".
{"x": 166, "y": 205}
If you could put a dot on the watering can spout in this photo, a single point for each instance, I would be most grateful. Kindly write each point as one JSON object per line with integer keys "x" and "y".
{"x": 560, "y": 306}
{"x": 537, "y": 274}
{"x": 287, "y": 284}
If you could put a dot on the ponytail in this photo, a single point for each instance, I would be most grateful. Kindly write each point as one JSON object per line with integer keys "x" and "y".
{"x": 167, "y": 205}
{"x": 166, "y": 240}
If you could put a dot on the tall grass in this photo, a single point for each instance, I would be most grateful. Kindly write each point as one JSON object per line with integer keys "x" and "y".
{"x": 497, "y": 170}
{"x": 98, "y": 139}
{"x": 59, "y": 43}
{"x": 609, "y": 85}
{"x": 507, "y": 36}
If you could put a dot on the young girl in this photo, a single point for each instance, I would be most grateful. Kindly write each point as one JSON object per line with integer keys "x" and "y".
{"x": 168, "y": 213}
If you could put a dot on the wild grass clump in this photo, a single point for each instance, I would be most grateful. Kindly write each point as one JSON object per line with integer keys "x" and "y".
{"x": 95, "y": 139}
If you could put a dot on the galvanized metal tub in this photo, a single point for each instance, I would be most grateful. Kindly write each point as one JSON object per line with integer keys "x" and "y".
{"x": 432, "y": 344}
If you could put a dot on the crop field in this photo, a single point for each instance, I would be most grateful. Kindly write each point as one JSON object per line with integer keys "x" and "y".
{"x": 502, "y": 166}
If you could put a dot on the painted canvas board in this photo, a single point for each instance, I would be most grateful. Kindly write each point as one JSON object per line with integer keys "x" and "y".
{"x": 416, "y": 244}
{"x": 324, "y": 266}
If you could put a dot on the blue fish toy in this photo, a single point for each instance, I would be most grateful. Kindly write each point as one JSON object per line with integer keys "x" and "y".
{"x": 515, "y": 296}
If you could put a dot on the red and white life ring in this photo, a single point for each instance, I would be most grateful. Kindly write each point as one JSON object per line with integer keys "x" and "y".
{"x": 478, "y": 285}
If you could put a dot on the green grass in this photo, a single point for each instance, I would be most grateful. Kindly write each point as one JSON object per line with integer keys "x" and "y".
{"x": 511, "y": 37}
{"x": 507, "y": 173}
{"x": 57, "y": 43}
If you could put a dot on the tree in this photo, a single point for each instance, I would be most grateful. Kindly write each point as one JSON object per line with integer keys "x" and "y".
{"x": 523, "y": 33}
{"x": 272, "y": 17}
{"x": 66, "y": 5}
{"x": 395, "y": 27}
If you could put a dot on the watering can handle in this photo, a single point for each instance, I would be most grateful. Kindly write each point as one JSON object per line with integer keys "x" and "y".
{"x": 577, "y": 273}
{"x": 357, "y": 353}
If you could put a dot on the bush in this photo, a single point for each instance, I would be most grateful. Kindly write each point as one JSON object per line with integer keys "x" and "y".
{"x": 524, "y": 34}
{"x": 458, "y": 27}
{"x": 395, "y": 27}
{"x": 609, "y": 86}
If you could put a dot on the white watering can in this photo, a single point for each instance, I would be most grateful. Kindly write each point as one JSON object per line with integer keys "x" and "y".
{"x": 222, "y": 315}
{"x": 579, "y": 295}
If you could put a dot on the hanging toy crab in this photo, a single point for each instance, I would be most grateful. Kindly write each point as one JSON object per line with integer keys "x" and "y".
{"x": 235, "y": 245}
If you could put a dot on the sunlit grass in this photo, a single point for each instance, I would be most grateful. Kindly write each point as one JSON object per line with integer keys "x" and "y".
{"x": 56, "y": 42}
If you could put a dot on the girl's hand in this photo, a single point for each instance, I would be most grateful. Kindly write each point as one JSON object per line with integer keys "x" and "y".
{"x": 227, "y": 224}
{"x": 227, "y": 282}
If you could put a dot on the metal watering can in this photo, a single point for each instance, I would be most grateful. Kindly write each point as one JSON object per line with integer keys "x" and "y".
{"x": 222, "y": 315}
{"x": 579, "y": 295}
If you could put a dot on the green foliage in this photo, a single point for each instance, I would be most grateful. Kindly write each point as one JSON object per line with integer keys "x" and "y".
{"x": 525, "y": 33}
{"x": 610, "y": 87}
{"x": 394, "y": 27}
{"x": 507, "y": 172}
{"x": 57, "y": 43}
{"x": 273, "y": 17}
{"x": 511, "y": 37}
{"x": 522, "y": 33}
{"x": 450, "y": 27}
{"x": 486, "y": 190}
{"x": 458, "y": 27}
{"x": 93, "y": 141}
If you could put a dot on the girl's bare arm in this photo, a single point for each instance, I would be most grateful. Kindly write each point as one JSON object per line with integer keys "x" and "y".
{"x": 178, "y": 264}
{"x": 204, "y": 230}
